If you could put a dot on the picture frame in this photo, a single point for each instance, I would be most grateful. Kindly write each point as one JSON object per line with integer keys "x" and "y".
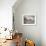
{"x": 28, "y": 20}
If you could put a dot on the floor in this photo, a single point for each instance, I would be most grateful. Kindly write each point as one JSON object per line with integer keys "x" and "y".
{"x": 9, "y": 43}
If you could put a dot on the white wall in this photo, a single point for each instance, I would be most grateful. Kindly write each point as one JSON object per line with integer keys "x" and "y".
{"x": 29, "y": 7}
{"x": 38, "y": 31}
{"x": 6, "y": 13}
{"x": 43, "y": 22}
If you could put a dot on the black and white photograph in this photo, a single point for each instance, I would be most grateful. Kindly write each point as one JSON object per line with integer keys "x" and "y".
{"x": 29, "y": 20}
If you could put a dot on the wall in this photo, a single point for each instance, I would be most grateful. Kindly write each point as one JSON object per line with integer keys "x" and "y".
{"x": 43, "y": 22}
{"x": 31, "y": 31}
{"x": 6, "y": 13}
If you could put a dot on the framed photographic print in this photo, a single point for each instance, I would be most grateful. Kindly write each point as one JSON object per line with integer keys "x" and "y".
{"x": 28, "y": 19}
